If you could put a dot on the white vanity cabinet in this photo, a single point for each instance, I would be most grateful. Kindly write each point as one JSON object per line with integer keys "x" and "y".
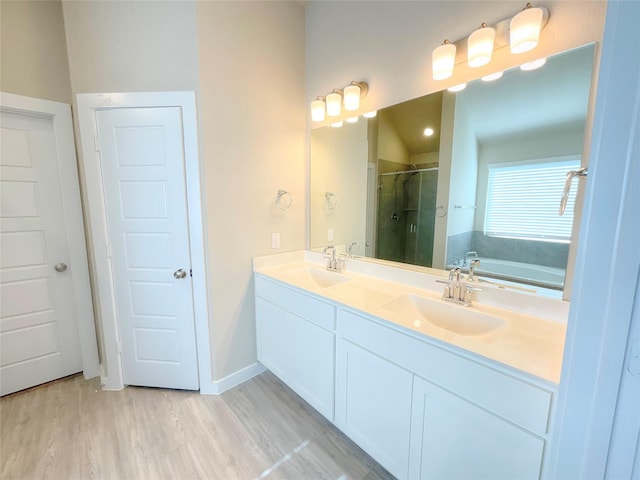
{"x": 373, "y": 405}
{"x": 419, "y": 406}
{"x": 296, "y": 341}
{"x": 423, "y": 411}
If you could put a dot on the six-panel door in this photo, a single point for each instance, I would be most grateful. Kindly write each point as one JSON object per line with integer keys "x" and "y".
{"x": 142, "y": 159}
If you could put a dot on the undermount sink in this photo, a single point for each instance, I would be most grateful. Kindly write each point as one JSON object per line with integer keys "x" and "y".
{"x": 454, "y": 318}
{"x": 319, "y": 277}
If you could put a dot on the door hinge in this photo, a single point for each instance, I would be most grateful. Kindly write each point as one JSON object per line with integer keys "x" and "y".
{"x": 191, "y": 272}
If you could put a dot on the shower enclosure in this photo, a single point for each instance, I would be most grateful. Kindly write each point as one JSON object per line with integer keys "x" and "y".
{"x": 406, "y": 215}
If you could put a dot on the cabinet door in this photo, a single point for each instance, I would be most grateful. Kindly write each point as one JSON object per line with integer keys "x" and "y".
{"x": 373, "y": 405}
{"x": 313, "y": 365}
{"x": 454, "y": 438}
{"x": 274, "y": 328}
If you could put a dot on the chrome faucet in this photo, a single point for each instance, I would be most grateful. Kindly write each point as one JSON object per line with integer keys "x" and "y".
{"x": 469, "y": 255}
{"x": 334, "y": 264}
{"x": 456, "y": 291}
{"x": 472, "y": 270}
{"x": 353, "y": 244}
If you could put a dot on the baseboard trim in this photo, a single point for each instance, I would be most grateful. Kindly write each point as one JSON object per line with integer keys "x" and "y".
{"x": 220, "y": 386}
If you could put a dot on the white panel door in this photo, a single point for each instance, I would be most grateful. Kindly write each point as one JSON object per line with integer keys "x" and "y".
{"x": 38, "y": 325}
{"x": 142, "y": 160}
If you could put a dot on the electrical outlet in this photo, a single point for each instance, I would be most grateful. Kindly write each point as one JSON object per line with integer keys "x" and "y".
{"x": 275, "y": 240}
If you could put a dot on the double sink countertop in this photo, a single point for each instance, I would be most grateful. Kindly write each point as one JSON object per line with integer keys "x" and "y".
{"x": 521, "y": 330}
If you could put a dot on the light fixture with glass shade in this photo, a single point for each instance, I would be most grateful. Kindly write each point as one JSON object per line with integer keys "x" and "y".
{"x": 524, "y": 29}
{"x": 352, "y": 94}
{"x": 334, "y": 102}
{"x": 443, "y": 59}
{"x": 337, "y": 124}
{"x": 370, "y": 114}
{"x": 480, "y": 46}
{"x": 317, "y": 109}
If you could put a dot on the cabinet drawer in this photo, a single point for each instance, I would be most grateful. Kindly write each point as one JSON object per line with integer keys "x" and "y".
{"x": 521, "y": 402}
{"x": 310, "y": 308}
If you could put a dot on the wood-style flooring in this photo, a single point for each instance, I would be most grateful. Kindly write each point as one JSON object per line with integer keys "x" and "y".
{"x": 70, "y": 429}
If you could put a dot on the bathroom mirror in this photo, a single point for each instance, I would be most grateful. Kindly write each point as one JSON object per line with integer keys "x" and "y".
{"x": 486, "y": 183}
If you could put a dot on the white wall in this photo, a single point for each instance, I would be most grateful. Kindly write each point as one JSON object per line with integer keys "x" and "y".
{"x": 253, "y": 144}
{"x": 33, "y": 51}
{"x": 131, "y": 46}
{"x": 464, "y": 172}
{"x": 339, "y": 165}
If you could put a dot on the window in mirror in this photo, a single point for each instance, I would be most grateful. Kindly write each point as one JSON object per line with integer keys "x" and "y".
{"x": 522, "y": 201}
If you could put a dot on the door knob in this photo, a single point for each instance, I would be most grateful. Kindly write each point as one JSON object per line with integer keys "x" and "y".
{"x": 180, "y": 273}
{"x": 60, "y": 267}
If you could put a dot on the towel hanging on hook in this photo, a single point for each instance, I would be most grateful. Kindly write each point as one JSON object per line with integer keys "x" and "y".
{"x": 580, "y": 173}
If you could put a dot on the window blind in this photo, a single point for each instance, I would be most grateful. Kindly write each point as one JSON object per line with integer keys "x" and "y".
{"x": 523, "y": 201}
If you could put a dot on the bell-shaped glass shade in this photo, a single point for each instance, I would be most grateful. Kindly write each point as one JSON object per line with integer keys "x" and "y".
{"x": 443, "y": 60}
{"x": 480, "y": 46}
{"x": 524, "y": 30}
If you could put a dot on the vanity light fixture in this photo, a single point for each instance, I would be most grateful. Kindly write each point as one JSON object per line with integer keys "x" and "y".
{"x": 525, "y": 67}
{"x": 370, "y": 114}
{"x": 524, "y": 29}
{"x": 428, "y": 132}
{"x": 443, "y": 59}
{"x": 334, "y": 103}
{"x": 317, "y": 109}
{"x": 457, "y": 88}
{"x": 492, "y": 76}
{"x": 480, "y": 46}
{"x": 351, "y": 119}
{"x": 337, "y": 124}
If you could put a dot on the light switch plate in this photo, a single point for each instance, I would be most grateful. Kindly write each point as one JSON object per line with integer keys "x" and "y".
{"x": 275, "y": 240}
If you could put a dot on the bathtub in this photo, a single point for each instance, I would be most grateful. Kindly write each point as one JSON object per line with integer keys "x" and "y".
{"x": 548, "y": 277}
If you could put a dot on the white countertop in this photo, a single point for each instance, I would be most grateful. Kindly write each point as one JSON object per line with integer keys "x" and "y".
{"x": 531, "y": 340}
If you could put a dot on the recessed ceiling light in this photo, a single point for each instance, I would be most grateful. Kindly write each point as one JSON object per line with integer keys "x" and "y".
{"x": 428, "y": 132}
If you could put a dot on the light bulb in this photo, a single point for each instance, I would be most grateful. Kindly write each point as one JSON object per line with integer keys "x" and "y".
{"x": 428, "y": 132}
{"x": 480, "y": 46}
{"x": 443, "y": 59}
{"x": 524, "y": 29}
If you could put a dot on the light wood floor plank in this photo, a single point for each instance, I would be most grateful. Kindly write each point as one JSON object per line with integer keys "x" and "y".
{"x": 70, "y": 429}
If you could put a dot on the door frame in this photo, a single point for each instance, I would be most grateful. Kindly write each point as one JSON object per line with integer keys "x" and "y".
{"x": 60, "y": 116}
{"x": 88, "y": 104}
